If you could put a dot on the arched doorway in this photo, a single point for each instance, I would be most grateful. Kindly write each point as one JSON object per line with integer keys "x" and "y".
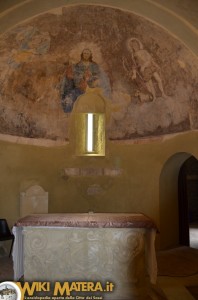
{"x": 188, "y": 203}
{"x": 168, "y": 200}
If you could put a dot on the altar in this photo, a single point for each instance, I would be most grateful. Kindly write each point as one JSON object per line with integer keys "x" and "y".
{"x": 96, "y": 247}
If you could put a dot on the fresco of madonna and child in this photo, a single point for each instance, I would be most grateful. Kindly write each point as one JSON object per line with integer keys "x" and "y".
{"x": 80, "y": 76}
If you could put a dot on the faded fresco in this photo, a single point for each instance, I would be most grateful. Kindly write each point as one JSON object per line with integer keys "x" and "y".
{"x": 81, "y": 76}
{"x": 148, "y": 78}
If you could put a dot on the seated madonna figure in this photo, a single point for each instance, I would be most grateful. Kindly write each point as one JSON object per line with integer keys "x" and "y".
{"x": 80, "y": 76}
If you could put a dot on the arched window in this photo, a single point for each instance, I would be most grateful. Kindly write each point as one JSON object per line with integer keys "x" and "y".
{"x": 90, "y": 134}
{"x": 89, "y": 123}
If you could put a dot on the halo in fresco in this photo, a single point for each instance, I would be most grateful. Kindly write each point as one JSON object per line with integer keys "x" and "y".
{"x": 147, "y": 78}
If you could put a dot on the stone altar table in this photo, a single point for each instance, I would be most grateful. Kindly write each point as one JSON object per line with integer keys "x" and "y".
{"x": 88, "y": 247}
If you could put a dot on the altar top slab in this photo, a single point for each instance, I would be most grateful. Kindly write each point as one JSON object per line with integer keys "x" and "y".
{"x": 88, "y": 220}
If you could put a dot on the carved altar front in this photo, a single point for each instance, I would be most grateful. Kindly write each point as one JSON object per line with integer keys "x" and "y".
{"x": 91, "y": 247}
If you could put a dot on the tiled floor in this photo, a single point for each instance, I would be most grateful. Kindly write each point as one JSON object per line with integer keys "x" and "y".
{"x": 175, "y": 288}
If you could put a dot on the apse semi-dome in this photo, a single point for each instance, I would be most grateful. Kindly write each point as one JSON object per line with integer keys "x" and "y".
{"x": 147, "y": 77}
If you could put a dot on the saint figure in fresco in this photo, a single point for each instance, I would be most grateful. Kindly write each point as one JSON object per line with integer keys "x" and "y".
{"x": 80, "y": 76}
{"x": 144, "y": 68}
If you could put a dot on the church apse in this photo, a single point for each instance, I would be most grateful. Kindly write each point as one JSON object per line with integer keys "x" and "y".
{"x": 146, "y": 76}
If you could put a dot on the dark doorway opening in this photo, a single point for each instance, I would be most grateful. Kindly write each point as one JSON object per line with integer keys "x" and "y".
{"x": 188, "y": 203}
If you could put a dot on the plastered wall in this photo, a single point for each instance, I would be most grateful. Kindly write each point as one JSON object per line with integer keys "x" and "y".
{"x": 139, "y": 188}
